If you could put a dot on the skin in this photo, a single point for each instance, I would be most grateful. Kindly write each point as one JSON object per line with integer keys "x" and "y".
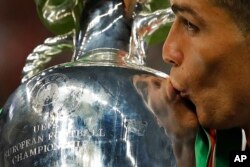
{"x": 210, "y": 64}
{"x": 210, "y": 59}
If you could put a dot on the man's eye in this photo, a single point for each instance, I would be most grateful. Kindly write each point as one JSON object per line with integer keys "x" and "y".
{"x": 189, "y": 26}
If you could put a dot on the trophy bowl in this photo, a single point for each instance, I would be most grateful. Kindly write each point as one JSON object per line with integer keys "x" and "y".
{"x": 87, "y": 112}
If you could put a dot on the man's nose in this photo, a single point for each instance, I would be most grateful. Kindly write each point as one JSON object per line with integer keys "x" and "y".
{"x": 171, "y": 51}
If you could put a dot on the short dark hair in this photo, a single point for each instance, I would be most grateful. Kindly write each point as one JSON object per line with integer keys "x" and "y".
{"x": 239, "y": 10}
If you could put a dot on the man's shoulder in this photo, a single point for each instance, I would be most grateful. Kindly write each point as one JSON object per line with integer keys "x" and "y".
{"x": 226, "y": 141}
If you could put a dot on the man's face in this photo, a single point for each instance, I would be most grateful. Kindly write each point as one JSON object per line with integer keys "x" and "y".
{"x": 211, "y": 63}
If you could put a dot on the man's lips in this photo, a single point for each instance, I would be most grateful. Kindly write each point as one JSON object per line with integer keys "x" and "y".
{"x": 172, "y": 92}
{"x": 175, "y": 92}
{"x": 177, "y": 86}
{"x": 181, "y": 91}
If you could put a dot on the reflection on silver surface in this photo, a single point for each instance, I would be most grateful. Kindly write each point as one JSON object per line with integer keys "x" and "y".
{"x": 60, "y": 17}
{"x": 104, "y": 25}
{"x": 43, "y": 54}
{"x": 82, "y": 116}
{"x": 143, "y": 26}
{"x": 85, "y": 113}
{"x": 93, "y": 36}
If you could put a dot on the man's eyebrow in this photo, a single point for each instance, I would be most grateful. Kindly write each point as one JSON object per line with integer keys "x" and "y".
{"x": 186, "y": 9}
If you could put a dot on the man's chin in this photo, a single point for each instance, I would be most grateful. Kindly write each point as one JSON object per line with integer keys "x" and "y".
{"x": 210, "y": 124}
{"x": 205, "y": 121}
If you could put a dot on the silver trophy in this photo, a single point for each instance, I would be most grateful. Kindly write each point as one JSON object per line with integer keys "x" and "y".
{"x": 87, "y": 112}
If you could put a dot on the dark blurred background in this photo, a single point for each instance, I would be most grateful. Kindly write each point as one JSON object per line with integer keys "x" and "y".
{"x": 20, "y": 32}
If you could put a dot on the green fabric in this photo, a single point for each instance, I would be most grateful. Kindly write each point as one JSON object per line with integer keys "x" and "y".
{"x": 226, "y": 141}
{"x": 202, "y": 148}
{"x": 0, "y": 110}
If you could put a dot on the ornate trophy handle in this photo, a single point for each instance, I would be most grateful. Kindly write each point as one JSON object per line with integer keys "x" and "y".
{"x": 144, "y": 25}
{"x": 60, "y": 17}
{"x": 63, "y": 18}
{"x": 43, "y": 53}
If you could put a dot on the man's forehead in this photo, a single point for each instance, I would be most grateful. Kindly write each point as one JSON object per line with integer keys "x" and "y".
{"x": 194, "y": 5}
{"x": 184, "y": 6}
{"x": 199, "y": 9}
{"x": 189, "y": 1}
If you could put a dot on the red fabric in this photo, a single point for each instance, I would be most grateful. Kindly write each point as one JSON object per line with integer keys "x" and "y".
{"x": 212, "y": 137}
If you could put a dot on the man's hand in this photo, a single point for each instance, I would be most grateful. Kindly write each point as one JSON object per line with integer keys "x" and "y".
{"x": 175, "y": 113}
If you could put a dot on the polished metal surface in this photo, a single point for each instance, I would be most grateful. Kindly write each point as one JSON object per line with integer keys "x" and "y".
{"x": 110, "y": 26}
{"x": 82, "y": 116}
{"x": 86, "y": 113}
{"x": 60, "y": 16}
{"x": 143, "y": 26}
{"x": 42, "y": 54}
{"x": 105, "y": 24}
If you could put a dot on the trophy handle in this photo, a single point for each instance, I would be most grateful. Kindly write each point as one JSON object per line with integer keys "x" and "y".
{"x": 43, "y": 54}
{"x": 145, "y": 24}
{"x": 61, "y": 16}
